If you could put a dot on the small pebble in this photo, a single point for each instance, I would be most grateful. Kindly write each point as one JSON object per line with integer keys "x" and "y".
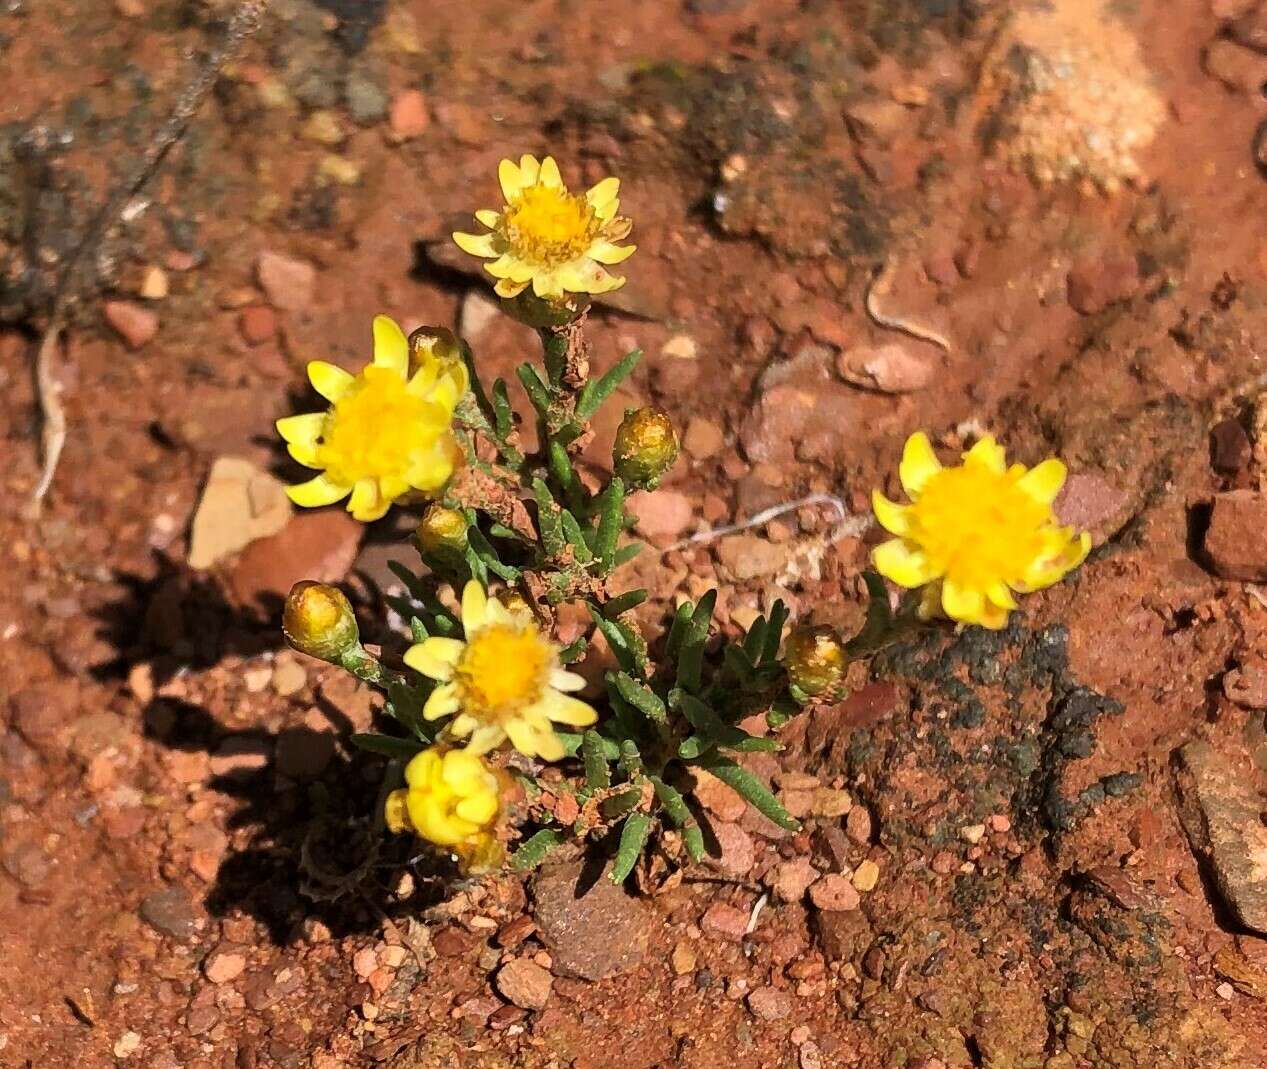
{"x": 866, "y": 876}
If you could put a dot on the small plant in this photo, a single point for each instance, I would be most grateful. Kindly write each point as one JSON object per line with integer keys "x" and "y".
{"x": 514, "y": 534}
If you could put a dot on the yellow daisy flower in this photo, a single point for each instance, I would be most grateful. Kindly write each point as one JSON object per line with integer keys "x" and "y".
{"x": 452, "y": 799}
{"x": 544, "y": 235}
{"x": 975, "y": 533}
{"x": 387, "y": 431}
{"x": 503, "y": 681}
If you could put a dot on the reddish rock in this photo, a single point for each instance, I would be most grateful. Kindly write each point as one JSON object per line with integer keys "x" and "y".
{"x": 771, "y": 1004}
{"x": 224, "y": 964}
{"x": 662, "y": 516}
{"x": 725, "y": 921}
{"x": 593, "y": 928}
{"x": 859, "y": 826}
{"x": 1236, "y": 541}
{"x": 747, "y": 556}
{"x": 835, "y": 893}
{"x": 888, "y": 368}
{"x": 257, "y": 324}
{"x": 1095, "y": 284}
{"x": 1239, "y": 68}
{"x": 791, "y": 879}
{"x": 737, "y": 853}
{"x": 40, "y": 712}
{"x": 288, "y": 283}
{"x": 314, "y": 545}
{"x": 1247, "y": 685}
{"x": 409, "y": 117}
{"x": 720, "y": 800}
{"x": 1230, "y": 447}
{"x": 703, "y": 438}
{"x": 134, "y": 323}
{"x": 1089, "y": 502}
{"x": 524, "y": 983}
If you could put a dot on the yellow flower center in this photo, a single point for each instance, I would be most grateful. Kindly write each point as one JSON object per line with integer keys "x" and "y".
{"x": 503, "y": 669}
{"x": 549, "y": 226}
{"x": 977, "y": 526}
{"x": 377, "y": 428}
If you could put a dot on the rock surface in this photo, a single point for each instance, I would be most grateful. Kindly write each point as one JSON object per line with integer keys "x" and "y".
{"x": 239, "y": 504}
{"x": 1236, "y": 541}
{"x": 525, "y": 983}
{"x": 593, "y": 928}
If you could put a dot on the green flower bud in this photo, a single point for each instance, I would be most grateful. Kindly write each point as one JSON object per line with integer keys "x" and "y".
{"x": 646, "y": 446}
{"x": 318, "y": 620}
{"x": 442, "y": 532}
{"x": 814, "y": 658}
{"x": 543, "y": 313}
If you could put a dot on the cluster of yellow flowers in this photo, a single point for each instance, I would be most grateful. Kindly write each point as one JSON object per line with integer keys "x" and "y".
{"x": 972, "y": 536}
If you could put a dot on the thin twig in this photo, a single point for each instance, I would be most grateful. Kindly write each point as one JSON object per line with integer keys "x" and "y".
{"x": 879, "y": 287}
{"x": 844, "y": 522}
{"x": 245, "y": 22}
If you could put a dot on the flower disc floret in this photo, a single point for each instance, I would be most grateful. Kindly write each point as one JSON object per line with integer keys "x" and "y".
{"x": 976, "y": 533}
{"x": 556, "y": 241}
{"x": 504, "y": 681}
{"x": 388, "y": 430}
{"x": 451, "y": 799}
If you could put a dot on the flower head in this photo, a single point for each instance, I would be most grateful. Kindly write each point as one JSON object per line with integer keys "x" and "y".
{"x": 318, "y": 620}
{"x": 503, "y": 681}
{"x": 452, "y": 799}
{"x": 388, "y": 430}
{"x": 814, "y": 658}
{"x": 544, "y": 235}
{"x": 975, "y": 533}
{"x": 646, "y": 446}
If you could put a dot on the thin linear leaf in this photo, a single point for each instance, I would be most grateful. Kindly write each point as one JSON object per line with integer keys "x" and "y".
{"x": 754, "y": 640}
{"x": 562, "y": 470}
{"x": 418, "y": 630}
{"x": 597, "y": 775}
{"x": 749, "y": 787}
{"x": 630, "y": 758}
{"x": 879, "y": 619}
{"x": 633, "y": 837}
{"x": 503, "y": 414}
{"x": 486, "y": 553}
{"x": 618, "y": 805}
{"x": 774, "y": 633}
{"x": 576, "y": 537}
{"x": 691, "y": 659}
{"x": 387, "y": 745}
{"x": 413, "y": 583}
{"x": 573, "y": 651}
{"x": 405, "y": 703}
{"x": 618, "y": 638}
{"x": 640, "y": 696}
{"x": 679, "y": 813}
{"x": 626, "y": 553}
{"x": 596, "y": 391}
{"x": 677, "y": 630}
{"x": 534, "y": 850}
{"x": 536, "y": 390}
{"x": 622, "y": 603}
{"x": 548, "y": 520}
{"x": 704, "y": 719}
{"x": 610, "y": 521}
{"x": 693, "y": 746}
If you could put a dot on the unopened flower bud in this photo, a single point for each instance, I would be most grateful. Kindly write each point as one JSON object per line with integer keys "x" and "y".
{"x": 318, "y": 620}
{"x": 442, "y": 531}
{"x": 646, "y": 446}
{"x": 543, "y": 313}
{"x": 814, "y": 658}
{"x": 515, "y": 602}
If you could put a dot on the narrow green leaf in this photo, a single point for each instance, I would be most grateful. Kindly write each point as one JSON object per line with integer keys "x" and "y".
{"x": 576, "y": 538}
{"x": 404, "y": 703}
{"x": 618, "y": 805}
{"x": 573, "y": 651}
{"x": 596, "y": 391}
{"x": 773, "y": 634}
{"x": 680, "y": 814}
{"x": 617, "y": 638}
{"x": 561, "y": 469}
{"x": 536, "y": 390}
{"x": 503, "y": 414}
{"x": 691, "y": 659}
{"x": 548, "y": 520}
{"x": 630, "y": 759}
{"x": 692, "y": 746}
{"x": 677, "y": 630}
{"x": 387, "y": 745}
{"x": 737, "y": 661}
{"x": 633, "y": 837}
{"x": 749, "y": 787}
{"x": 418, "y": 630}
{"x": 479, "y": 570}
{"x": 879, "y": 621}
{"x": 533, "y": 851}
{"x": 631, "y": 599}
{"x": 754, "y": 640}
{"x": 413, "y": 583}
{"x": 610, "y": 521}
{"x": 626, "y": 553}
{"x": 487, "y": 555}
{"x": 705, "y": 720}
{"x": 640, "y": 696}
{"x": 597, "y": 774}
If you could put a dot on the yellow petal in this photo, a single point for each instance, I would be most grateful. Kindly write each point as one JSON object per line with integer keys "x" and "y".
{"x": 329, "y": 381}
{"x": 317, "y": 492}
{"x": 992, "y": 617}
{"x": 435, "y": 657}
{"x": 474, "y": 606}
{"x": 302, "y": 430}
{"x": 987, "y": 453}
{"x": 462, "y": 771}
{"x": 603, "y": 193}
{"x": 549, "y": 284}
{"x": 1000, "y": 594}
{"x": 549, "y": 175}
{"x": 396, "y": 812}
{"x": 564, "y": 709}
{"x": 443, "y": 701}
{"x": 962, "y": 604}
{"x": 305, "y": 454}
{"x": 607, "y": 253}
{"x": 1044, "y": 481}
{"x": 475, "y": 244}
{"x": 422, "y": 768}
{"x": 919, "y": 463}
{"x": 930, "y": 602}
{"x": 907, "y": 567}
{"x": 367, "y": 504}
{"x": 478, "y": 809}
{"x": 485, "y": 738}
{"x": 510, "y": 179}
{"x": 893, "y": 518}
{"x": 550, "y": 746}
{"x": 506, "y": 288}
{"x": 391, "y": 347}
{"x": 562, "y": 679}
{"x": 488, "y": 217}
{"x": 529, "y": 169}
{"x": 463, "y": 724}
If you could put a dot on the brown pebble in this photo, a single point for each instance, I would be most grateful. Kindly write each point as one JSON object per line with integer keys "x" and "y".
{"x": 859, "y": 825}
{"x": 512, "y": 933}
{"x": 725, "y": 921}
{"x": 835, "y": 893}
